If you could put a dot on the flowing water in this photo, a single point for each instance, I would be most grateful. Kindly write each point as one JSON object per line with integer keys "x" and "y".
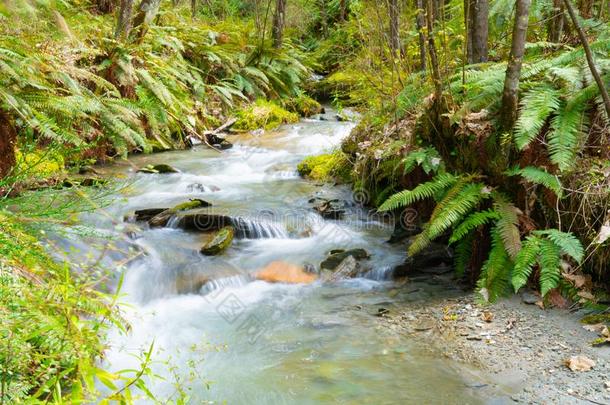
{"x": 226, "y": 337}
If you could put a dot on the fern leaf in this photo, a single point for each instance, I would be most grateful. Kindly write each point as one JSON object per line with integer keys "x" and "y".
{"x": 507, "y": 225}
{"x": 495, "y": 273}
{"x": 550, "y": 260}
{"x": 422, "y": 191}
{"x": 463, "y": 253}
{"x": 564, "y": 137}
{"x": 566, "y": 241}
{"x": 536, "y": 107}
{"x": 525, "y": 261}
{"x": 538, "y": 176}
{"x": 472, "y": 222}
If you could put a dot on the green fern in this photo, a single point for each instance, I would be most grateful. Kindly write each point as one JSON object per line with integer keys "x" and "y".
{"x": 550, "y": 266}
{"x": 565, "y": 241}
{"x": 536, "y": 107}
{"x": 472, "y": 222}
{"x": 463, "y": 253}
{"x": 565, "y": 135}
{"x": 422, "y": 191}
{"x": 538, "y": 176}
{"x": 495, "y": 273}
{"x": 507, "y": 225}
{"x": 525, "y": 261}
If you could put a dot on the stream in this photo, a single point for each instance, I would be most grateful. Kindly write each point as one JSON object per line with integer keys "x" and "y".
{"x": 223, "y": 337}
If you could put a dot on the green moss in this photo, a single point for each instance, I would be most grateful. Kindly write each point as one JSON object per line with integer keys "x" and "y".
{"x": 222, "y": 240}
{"x": 304, "y": 105}
{"x": 326, "y": 167}
{"x": 263, "y": 114}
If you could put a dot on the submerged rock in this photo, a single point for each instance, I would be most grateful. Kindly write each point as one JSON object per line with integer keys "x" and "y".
{"x": 206, "y": 221}
{"x": 218, "y": 142}
{"x": 158, "y": 169}
{"x": 348, "y": 268}
{"x": 147, "y": 213}
{"x": 219, "y": 243}
{"x": 329, "y": 209}
{"x": 282, "y": 272}
{"x": 335, "y": 259}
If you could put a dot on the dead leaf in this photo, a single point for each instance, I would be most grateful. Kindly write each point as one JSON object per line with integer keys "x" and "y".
{"x": 586, "y": 295}
{"x": 579, "y": 363}
{"x": 578, "y": 280}
{"x": 540, "y": 304}
{"x": 558, "y": 300}
{"x": 598, "y": 327}
{"x": 487, "y": 316}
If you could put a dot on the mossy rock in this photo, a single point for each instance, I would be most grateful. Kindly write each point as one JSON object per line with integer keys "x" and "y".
{"x": 221, "y": 241}
{"x": 158, "y": 169}
{"x": 326, "y": 167}
{"x": 334, "y": 259}
{"x": 263, "y": 114}
{"x": 304, "y": 105}
{"x": 161, "y": 218}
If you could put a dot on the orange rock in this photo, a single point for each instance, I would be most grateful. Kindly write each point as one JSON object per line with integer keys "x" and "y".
{"x": 282, "y": 272}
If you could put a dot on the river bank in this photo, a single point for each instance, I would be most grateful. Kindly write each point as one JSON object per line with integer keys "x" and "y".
{"x": 522, "y": 347}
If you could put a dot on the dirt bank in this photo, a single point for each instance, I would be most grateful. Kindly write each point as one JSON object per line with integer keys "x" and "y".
{"x": 523, "y": 347}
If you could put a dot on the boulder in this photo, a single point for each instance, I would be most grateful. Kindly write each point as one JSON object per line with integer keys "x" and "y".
{"x": 158, "y": 169}
{"x": 148, "y": 213}
{"x": 206, "y": 221}
{"x": 164, "y": 216}
{"x": 219, "y": 243}
{"x": 218, "y": 142}
{"x": 335, "y": 259}
{"x": 435, "y": 259}
{"x": 282, "y": 272}
{"x": 329, "y": 209}
{"x": 348, "y": 268}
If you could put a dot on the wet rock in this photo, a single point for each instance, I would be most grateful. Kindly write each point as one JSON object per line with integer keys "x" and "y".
{"x": 329, "y": 209}
{"x": 158, "y": 169}
{"x": 206, "y": 221}
{"x": 163, "y": 217}
{"x": 348, "y": 268}
{"x": 87, "y": 170}
{"x": 218, "y": 142}
{"x": 221, "y": 241}
{"x": 282, "y": 272}
{"x": 148, "y": 213}
{"x": 334, "y": 259}
{"x": 402, "y": 232}
{"x": 435, "y": 259}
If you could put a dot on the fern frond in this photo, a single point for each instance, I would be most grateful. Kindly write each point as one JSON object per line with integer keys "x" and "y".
{"x": 472, "y": 222}
{"x": 550, "y": 260}
{"x": 536, "y": 107}
{"x": 507, "y": 225}
{"x": 422, "y": 191}
{"x": 495, "y": 273}
{"x": 564, "y": 137}
{"x": 566, "y": 241}
{"x": 538, "y": 176}
{"x": 463, "y": 254}
{"x": 525, "y": 261}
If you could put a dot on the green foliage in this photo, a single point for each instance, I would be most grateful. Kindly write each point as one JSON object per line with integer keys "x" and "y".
{"x": 303, "y": 105}
{"x": 422, "y": 191}
{"x": 538, "y": 176}
{"x": 263, "y": 114}
{"x": 495, "y": 274}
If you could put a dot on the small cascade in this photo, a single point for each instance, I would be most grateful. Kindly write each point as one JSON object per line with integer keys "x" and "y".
{"x": 238, "y": 280}
{"x": 250, "y": 229}
{"x": 173, "y": 222}
{"x": 382, "y": 273}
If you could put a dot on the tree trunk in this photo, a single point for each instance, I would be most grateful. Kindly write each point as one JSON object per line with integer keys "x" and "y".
{"x": 147, "y": 10}
{"x": 589, "y": 54}
{"x": 480, "y": 30}
{"x": 420, "y": 23}
{"x": 105, "y": 6}
{"x": 436, "y": 73}
{"x": 556, "y": 22}
{"x": 394, "y": 27}
{"x": 510, "y": 95}
{"x": 278, "y": 23}
{"x": 468, "y": 24}
{"x": 342, "y": 10}
{"x": 123, "y": 26}
{"x": 8, "y": 137}
{"x": 193, "y": 8}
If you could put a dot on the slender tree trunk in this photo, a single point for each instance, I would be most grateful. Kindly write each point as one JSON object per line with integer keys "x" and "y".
{"x": 342, "y": 10}
{"x": 394, "y": 27}
{"x": 556, "y": 22}
{"x": 510, "y": 95}
{"x": 436, "y": 73}
{"x": 123, "y": 26}
{"x": 468, "y": 24}
{"x": 147, "y": 10}
{"x": 420, "y": 23}
{"x": 480, "y": 30}
{"x": 193, "y": 8}
{"x": 589, "y": 54}
{"x": 8, "y": 137}
{"x": 278, "y": 23}
{"x": 105, "y": 6}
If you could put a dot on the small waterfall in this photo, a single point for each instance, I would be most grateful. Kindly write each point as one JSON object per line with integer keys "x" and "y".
{"x": 382, "y": 273}
{"x": 250, "y": 229}
{"x": 173, "y": 222}
{"x": 225, "y": 282}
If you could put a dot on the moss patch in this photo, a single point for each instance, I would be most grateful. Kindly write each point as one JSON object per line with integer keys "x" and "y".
{"x": 39, "y": 164}
{"x": 304, "y": 105}
{"x": 326, "y": 167}
{"x": 263, "y": 114}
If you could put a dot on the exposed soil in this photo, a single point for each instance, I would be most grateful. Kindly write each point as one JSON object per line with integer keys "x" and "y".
{"x": 522, "y": 346}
